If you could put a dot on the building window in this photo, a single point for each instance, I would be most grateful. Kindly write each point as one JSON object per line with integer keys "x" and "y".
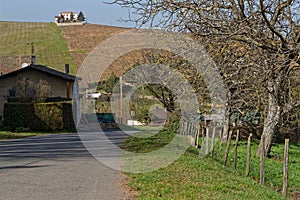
{"x": 11, "y": 92}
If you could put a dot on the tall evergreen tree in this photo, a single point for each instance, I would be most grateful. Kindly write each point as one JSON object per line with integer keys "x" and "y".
{"x": 81, "y": 17}
{"x": 72, "y": 17}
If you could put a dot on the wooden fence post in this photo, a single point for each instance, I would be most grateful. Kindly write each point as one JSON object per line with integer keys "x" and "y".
{"x": 197, "y": 137}
{"x": 236, "y": 147}
{"x": 248, "y": 155}
{"x": 202, "y": 139}
{"x": 184, "y": 128}
{"x": 207, "y": 141}
{"x": 193, "y": 129}
{"x": 190, "y": 129}
{"x": 227, "y": 147}
{"x": 262, "y": 161}
{"x": 187, "y": 128}
{"x": 285, "y": 169}
{"x": 212, "y": 149}
{"x": 220, "y": 145}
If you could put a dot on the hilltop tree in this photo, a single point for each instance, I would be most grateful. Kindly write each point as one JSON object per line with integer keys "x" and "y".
{"x": 61, "y": 19}
{"x": 269, "y": 27}
{"x": 81, "y": 17}
{"x": 72, "y": 17}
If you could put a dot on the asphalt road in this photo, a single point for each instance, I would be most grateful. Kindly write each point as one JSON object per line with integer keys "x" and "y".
{"x": 58, "y": 166}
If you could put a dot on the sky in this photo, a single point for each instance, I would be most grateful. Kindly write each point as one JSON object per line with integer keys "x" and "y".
{"x": 96, "y": 11}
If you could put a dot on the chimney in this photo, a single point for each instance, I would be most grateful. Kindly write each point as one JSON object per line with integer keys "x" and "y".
{"x": 67, "y": 68}
{"x": 33, "y": 60}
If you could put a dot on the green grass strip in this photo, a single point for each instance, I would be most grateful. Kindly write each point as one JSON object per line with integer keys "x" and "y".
{"x": 193, "y": 178}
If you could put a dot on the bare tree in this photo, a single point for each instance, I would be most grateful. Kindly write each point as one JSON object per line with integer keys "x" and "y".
{"x": 165, "y": 95}
{"x": 235, "y": 61}
{"x": 27, "y": 90}
{"x": 43, "y": 90}
{"x": 270, "y": 27}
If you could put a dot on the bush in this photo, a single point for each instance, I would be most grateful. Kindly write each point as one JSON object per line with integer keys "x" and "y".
{"x": 39, "y": 116}
{"x": 22, "y": 130}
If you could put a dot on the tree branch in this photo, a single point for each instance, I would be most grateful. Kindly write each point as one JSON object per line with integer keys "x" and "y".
{"x": 270, "y": 26}
{"x": 290, "y": 106}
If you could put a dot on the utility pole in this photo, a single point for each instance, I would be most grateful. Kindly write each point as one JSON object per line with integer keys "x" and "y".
{"x": 32, "y": 49}
{"x": 121, "y": 100}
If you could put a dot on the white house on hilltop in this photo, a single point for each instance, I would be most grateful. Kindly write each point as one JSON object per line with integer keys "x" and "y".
{"x": 70, "y": 17}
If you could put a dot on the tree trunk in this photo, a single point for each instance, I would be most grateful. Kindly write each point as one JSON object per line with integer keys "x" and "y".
{"x": 271, "y": 120}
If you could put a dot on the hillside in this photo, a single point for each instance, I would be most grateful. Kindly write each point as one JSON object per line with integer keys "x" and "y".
{"x": 49, "y": 44}
{"x": 83, "y": 39}
{"x": 54, "y": 46}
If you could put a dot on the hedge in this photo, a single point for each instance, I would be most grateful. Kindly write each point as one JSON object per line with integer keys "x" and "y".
{"x": 39, "y": 116}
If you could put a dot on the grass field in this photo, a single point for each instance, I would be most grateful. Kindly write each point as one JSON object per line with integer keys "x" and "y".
{"x": 193, "y": 178}
{"x": 49, "y": 45}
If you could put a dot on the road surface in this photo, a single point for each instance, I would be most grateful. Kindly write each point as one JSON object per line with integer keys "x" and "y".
{"x": 57, "y": 167}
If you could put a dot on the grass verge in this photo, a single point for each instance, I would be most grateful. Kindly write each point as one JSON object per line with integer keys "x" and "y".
{"x": 13, "y": 135}
{"x": 4, "y": 135}
{"x": 273, "y": 165}
{"x": 192, "y": 178}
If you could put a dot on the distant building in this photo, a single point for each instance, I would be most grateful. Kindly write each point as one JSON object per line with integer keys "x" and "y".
{"x": 69, "y": 17}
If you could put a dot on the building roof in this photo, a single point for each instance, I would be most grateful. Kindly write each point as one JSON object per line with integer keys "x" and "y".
{"x": 68, "y": 12}
{"x": 43, "y": 69}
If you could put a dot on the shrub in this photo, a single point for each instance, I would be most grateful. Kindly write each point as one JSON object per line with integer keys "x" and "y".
{"x": 39, "y": 116}
{"x": 22, "y": 130}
